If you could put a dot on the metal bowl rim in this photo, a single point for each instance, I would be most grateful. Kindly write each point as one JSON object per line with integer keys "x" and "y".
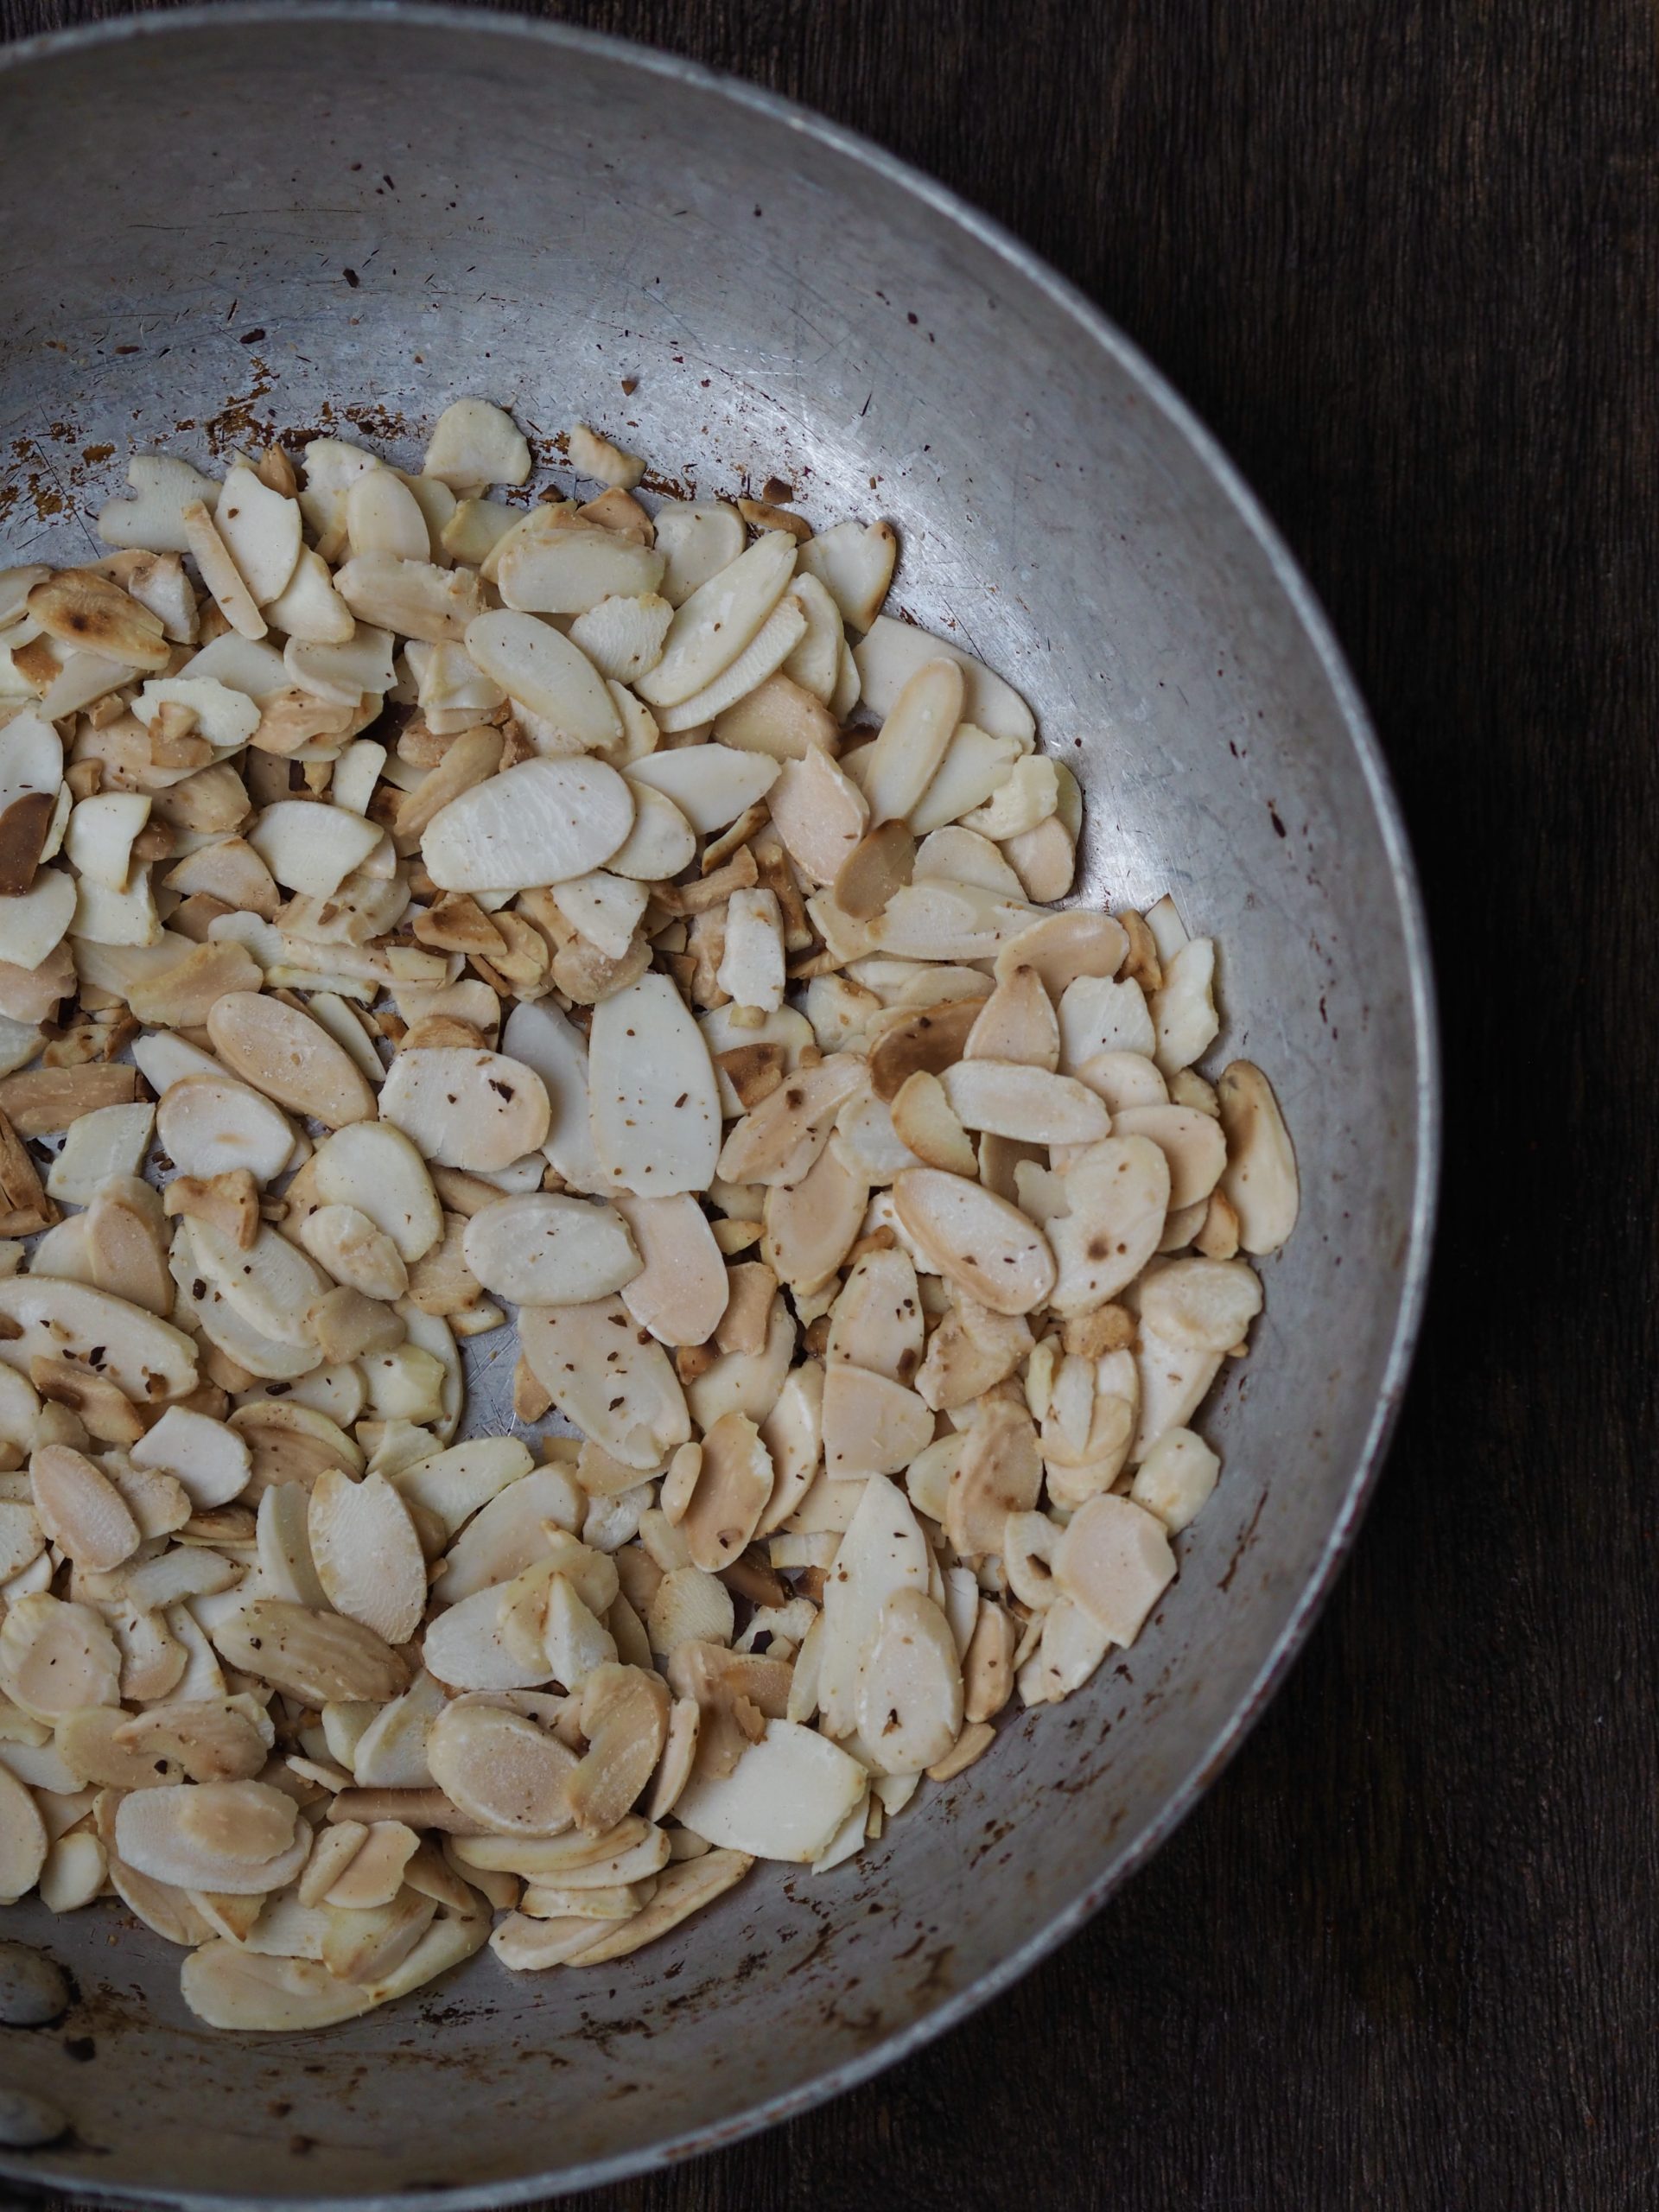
{"x": 435, "y": 14}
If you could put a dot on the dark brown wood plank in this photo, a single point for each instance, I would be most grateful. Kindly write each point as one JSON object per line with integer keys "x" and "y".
{"x": 1402, "y": 256}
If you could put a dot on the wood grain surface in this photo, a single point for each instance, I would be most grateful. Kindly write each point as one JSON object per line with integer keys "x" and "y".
{"x": 1402, "y": 256}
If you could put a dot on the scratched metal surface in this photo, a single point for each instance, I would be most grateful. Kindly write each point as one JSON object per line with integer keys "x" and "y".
{"x": 346, "y": 222}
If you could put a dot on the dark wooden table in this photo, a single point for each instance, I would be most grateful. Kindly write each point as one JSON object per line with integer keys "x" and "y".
{"x": 1403, "y": 256}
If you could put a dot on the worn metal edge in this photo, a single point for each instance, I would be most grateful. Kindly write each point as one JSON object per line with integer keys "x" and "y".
{"x": 1026, "y": 264}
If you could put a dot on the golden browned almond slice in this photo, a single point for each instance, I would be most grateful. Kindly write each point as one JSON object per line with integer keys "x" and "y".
{"x": 291, "y": 1058}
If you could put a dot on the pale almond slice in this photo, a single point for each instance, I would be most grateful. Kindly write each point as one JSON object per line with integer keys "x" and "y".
{"x": 391, "y": 1753}
{"x": 1124, "y": 1079}
{"x": 679, "y": 1291}
{"x": 1206, "y": 1304}
{"x": 354, "y": 1252}
{"x": 572, "y": 568}
{"x": 291, "y": 1058}
{"x": 767, "y": 1141}
{"x": 979, "y": 1241}
{"x": 624, "y": 1713}
{"x": 577, "y": 1641}
{"x": 731, "y": 1492}
{"x": 374, "y": 1167}
{"x": 316, "y": 1656}
{"x": 999, "y": 1472}
{"x": 910, "y": 1691}
{"x": 604, "y": 908}
{"x": 144, "y": 1356}
{"x": 1115, "y": 1561}
{"x": 988, "y": 1664}
{"x": 543, "y": 1251}
{"x": 854, "y": 562}
{"x": 412, "y": 599}
{"x": 814, "y": 664}
{"x": 539, "y": 668}
{"x": 876, "y": 1322}
{"x": 465, "y": 1647}
{"x": 56, "y": 1657}
{"x": 1027, "y": 1103}
{"x": 75, "y": 1873}
{"x": 308, "y": 607}
{"x": 710, "y": 784}
{"x": 883, "y": 1551}
{"x": 925, "y": 1122}
{"x": 23, "y": 1841}
{"x": 718, "y": 620}
{"x": 689, "y": 1606}
{"x": 957, "y": 855}
{"x": 33, "y": 924}
{"x": 793, "y": 1435}
{"x": 819, "y": 812}
{"x": 261, "y": 531}
{"x": 454, "y": 1485}
{"x": 592, "y": 456}
{"x": 1017, "y": 1022}
{"x": 1045, "y": 859}
{"x": 80, "y": 1509}
{"x": 1173, "y": 1381}
{"x": 1026, "y": 798}
{"x": 539, "y": 1035}
{"x": 974, "y": 766}
{"x": 1260, "y": 1179}
{"x": 920, "y": 722}
{"x": 661, "y": 842}
{"x": 383, "y": 517}
{"x": 367, "y": 1555}
{"x": 935, "y": 920}
{"x": 785, "y": 1798}
{"x": 700, "y": 538}
{"x": 654, "y": 1108}
{"x": 341, "y": 671}
{"x": 872, "y": 1425}
{"x": 374, "y": 1877}
{"x": 539, "y": 823}
{"x": 236, "y": 1837}
{"x": 1062, "y": 947}
{"x": 608, "y": 1376}
{"x": 751, "y": 967}
{"x": 311, "y": 848}
{"x": 163, "y": 486}
{"x": 510, "y": 1533}
{"x": 475, "y": 442}
{"x": 1117, "y": 1196}
{"x": 219, "y": 572}
{"x": 209, "y": 1127}
{"x": 1098, "y": 1015}
{"x": 271, "y": 1285}
{"x": 111, "y": 1140}
{"x": 501, "y": 1769}
{"x": 1190, "y": 1142}
{"x": 779, "y": 637}
{"x": 1175, "y": 1478}
{"x": 529, "y": 1945}
{"x": 890, "y": 652}
{"x": 812, "y": 1224}
{"x": 98, "y": 841}
{"x": 460, "y": 1109}
{"x": 685, "y": 1889}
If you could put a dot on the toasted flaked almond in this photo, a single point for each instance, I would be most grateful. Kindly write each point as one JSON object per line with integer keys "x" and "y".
{"x": 892, "y": 652}
{"x": 23, "y": 1840}
{"x": 367, "y": 1555}
{"x": 1208, "y": 1304}
{"x": 1117, "y": 1196}
{"x": 655, "y": 1106}
{"x": 539, "y": 668}
{"x": 211, "y": 1739}
{"x": 1175, "y": 1478}
{"x": 883, "y": 1551}
{"x": 312, "y": 849}
{"x": 689, "y": 1606}
{"x": 354, "y": 1252}
{"x": 919, "y": 726}
{"x": 478, "y": 1110}
{"x": 1192, "y": 1142}
{"x": 980, "y": 1241}
{"x": 680, "y": 1291}
{"x": 812, "y": 1224}
{"x": 38, "y": 1102}
{"x": 1027, "y": 1103}
{"x": 715, "y": 622}
{"x": 625, "y": 1714}
{"x": 501, "y": 1768}
{"x": 684, "y": 1889}
{"x": 237, "y": 1837}
{"x": 766, "y": 1145}
{"x": 544, "y": 1251}
{"x": 910, "y": 1692}
{"x": 475, "y": 442}
{"x": 1097, "y": 1015}
{"x": 162, "y": 485}
{"x": 999, "y": 1472}
{"x": 988, "y": 1664}
{"x": 219, "y": 572}
{"x": 929, "y": 1039}
{"x": 144, "y": 1356}
{"x": 537, "y": 824}
{"x": 373, "y": 1875}
{"x": 316, "y": 1656}
{"x": 374, "y": 1166}
{"x": 710, "y": 784}
{"x": 411, "y": 598}
{"x": 732, "y": 1491}
{"x": 1183, "y": 1010}
{"x": 1017, "y": 1022}
{"x": 571, "y": 568}
{"x": 1115, "y": 1561}
{"x": 80, "y": 1509}
{"x": 1124, "y": 1079}
{"x": 855, "y": 562}
{"x": 1260, "y": 1179}
{"x": 701, "y": 539}
{"x": 289, "y": 1057}
{"x": 609, "y": 1377}
{"x": 925, "y": 1122}
{"x": 88, "y": 612}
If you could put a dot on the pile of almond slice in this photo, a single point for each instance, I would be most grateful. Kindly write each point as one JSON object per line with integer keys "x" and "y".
{"x": 423, "y": 910}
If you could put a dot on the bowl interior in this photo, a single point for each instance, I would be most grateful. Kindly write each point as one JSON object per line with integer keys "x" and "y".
{"x": 242, "y": 225}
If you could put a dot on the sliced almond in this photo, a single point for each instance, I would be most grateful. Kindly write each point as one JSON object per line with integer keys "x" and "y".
{"x": 80, "y": 1509}
{"x": 680, "y": 1292}
{"x": 999, "y": 1472}
{"x": 1115, "y": 1561}
{"x": 316, "y": 1656}
{"x": 785, "y": 1799}
{"x": 539, "y": 668}
{"x": 1192, "y": 1142}
{"x": 811, "y": 1225}
{"x": 367, "y": 1555}
{"x": 501, "y": 1768}
{"x": 855, "y": 562}
{"x": 541, "y": 1250}
{"x": 609, "y": 1377}
{"x": 88, "y": 612}
{"x": 289, "y": 1057}
{"x": 715, "y": 624}
{"x": 731, "y": 1492}
{"x": 410, "y": 598}
{"x": 1260, "y": 1179}
{"x": 477, "y": 1111}
{"x": 1027, "y": 1103}
{"x": 537, "y": 824}
{"x": 237, "y": 1837}
{"x": 872, "y": 1425}
{"x": 980, "y": 1241}
{"x": 655, "y": 1106}
{"x": 910, "y": 1691}
{"x": 571, "y": 569}
{"x": 144, "y": 1356}
{"x": 892, "y": 652}
{"x": 219, "y": 572}
{"x": 260, "y": 530}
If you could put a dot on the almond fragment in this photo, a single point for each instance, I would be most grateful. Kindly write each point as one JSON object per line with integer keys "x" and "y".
{"x": 229, "y": 1201}
{"x": 88, "y": 612}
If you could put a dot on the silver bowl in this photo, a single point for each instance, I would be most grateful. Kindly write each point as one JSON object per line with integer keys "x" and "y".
{"x": 237, "y": 221}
